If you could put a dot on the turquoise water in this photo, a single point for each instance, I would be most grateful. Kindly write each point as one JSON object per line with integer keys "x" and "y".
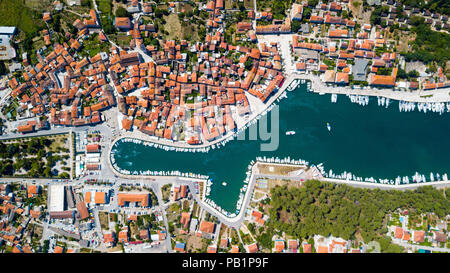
{"x": 369, "y": 141}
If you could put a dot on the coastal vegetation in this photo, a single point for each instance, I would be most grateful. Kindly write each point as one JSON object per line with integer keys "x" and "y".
{"x": 121, "y": 12}
{"x": 105, "y": 6}
{"x": 344, "y": 211}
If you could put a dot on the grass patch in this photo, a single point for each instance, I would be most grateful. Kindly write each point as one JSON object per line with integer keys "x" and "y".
{"x": 104, "y": 6}
{"x": 123, "y": 40}
{"x": 103, "y": 217}
{"x": 173, "y": 26}
{"x": 19, "y": 15}
{"x": 165, "y": 190}
{"x": 92, "y": 46}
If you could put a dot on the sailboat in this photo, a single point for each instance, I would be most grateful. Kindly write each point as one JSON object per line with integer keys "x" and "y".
{"x": 328, "y": 126}
{"x": 289, "y": 133}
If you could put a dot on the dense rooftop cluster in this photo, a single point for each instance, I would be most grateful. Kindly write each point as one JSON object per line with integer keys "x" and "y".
{"x": 17, "y": 217}
{"x": 63, "y": 86}
{"x": 348, "y": 54}
{"x": 192, "y": 91}
{"x": 185, "y": 91}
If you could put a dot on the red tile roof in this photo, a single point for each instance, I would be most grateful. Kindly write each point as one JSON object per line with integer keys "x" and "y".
{"x": 419, "y": 236}
{"x": 398, "y": 232}
{"x": 253, "y": 248}
{"x": 207, "y": 227}
{"x": 307, "y": 248}
{"x": 142, "y": 199}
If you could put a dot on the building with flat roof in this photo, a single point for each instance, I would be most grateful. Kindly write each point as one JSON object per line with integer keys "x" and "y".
{"x": 9, "y": 31}
{"x": 7, "y": 52}
{"x": 359, "y": 69}
{"x": 62, "y": 214}
{"x": 56, "y": 198}
{"x": 100, "y": 197}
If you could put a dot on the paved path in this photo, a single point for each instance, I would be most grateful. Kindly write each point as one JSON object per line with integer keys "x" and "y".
{"x": 71, "y": 154}
{"x": 415, "y": 247}
{"x": 254, "y": 20}
{"x": 412, "y": 186}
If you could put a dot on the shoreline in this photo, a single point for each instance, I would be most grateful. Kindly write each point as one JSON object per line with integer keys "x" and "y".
{"x": 418, "y": 96}
{"x": 317, "y": 87}
{"x": 250, "y": 180}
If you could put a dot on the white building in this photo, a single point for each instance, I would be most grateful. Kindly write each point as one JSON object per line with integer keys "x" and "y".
{"x": 7, "y": 52}
{"x": 8, "y": 31}
{"x": 57, "y": 193}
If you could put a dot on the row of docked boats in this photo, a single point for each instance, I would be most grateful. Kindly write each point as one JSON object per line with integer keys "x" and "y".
{"x": 359, "y": 99}
{"x": 382, "y": 101}
{"x": 416, "y": 178}
{"x": 403, "y": 106}
{"x": 292, "y": 85}
{"x": 400, "y": 180}
{"x": 436, "y": 107}
{"x": 295, "y": 83}
{"x": 278, "y": 160}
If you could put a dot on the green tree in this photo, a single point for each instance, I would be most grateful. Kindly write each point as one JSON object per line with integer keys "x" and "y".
{"x": 295, "y": 26}
{"x": 3, "y": 70}
{"x": 122, "y": 12}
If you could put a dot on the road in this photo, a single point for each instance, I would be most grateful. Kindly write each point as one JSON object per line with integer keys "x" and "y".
{"x": 71, "y": 154}
{"x": 254, "y": 20}
{"x": 98, "y": 229}
{"x": 438, "y": 184}
{"x": 415, "y": 247}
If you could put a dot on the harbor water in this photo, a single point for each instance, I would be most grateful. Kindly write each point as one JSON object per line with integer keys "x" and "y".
{"x": 366, "y": 139}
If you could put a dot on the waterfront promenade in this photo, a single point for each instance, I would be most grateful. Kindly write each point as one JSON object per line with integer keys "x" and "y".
{"x": 317, "y": 86}
{"x": 411, "y": 186}
{"x": 436, "y": 95}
